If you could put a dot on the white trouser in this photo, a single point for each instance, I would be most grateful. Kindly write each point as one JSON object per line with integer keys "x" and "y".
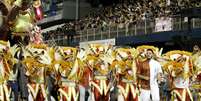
{"x": 145, "y": 95}
{"x": 82, "y": 93}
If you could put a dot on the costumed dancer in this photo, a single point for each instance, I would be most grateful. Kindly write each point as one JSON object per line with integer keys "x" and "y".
{"x": 37, "y": 61}
{"x": 6, "y": 64}
{"x": 22, "y": 21}
{"x": 180, "y": 69}
{"x": 67, "y": 65}
{"x": 18, "y": 80}
{"x": 149, "y": 72}
{"x": 86, "y": 93}
{"x": 100, "y": 81}
{"x": 126, "y": 74}
{"x": 196, "y": 84}
{"x": 84, "y": 87}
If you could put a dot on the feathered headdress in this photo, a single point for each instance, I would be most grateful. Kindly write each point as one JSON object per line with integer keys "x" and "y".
{"x": 179, "y": 62}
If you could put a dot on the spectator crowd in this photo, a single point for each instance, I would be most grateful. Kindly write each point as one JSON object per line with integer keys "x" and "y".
{"x": 125, "y": 14}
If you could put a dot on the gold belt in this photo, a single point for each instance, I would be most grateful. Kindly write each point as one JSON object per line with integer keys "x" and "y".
{"x": 101, "y": 77}
{"x": 127, "y": 81}
{"x": 68, "y": 83}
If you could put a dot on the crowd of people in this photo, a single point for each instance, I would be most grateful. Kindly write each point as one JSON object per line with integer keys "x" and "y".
{"x": 98, "y": 73}
{"x": 128, "y": 13}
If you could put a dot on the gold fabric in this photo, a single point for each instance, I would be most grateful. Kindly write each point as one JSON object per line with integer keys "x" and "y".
{"x": 23, "y": 23}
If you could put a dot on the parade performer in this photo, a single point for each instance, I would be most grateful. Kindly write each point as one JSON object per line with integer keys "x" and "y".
{"x": 180, "y": 69}
{"x": 148, "y": 72}
{"x": 6, "y": 64}
{"x": 67, "y": 65}
{"x": 196, "y": 79}
{"x": 22, "y": 21}
{"x": 37, "y": 61}
{"x": 126, "y": 74}
{"x": 84, "y": 87}
{"x": 196, "y": 58}
{"x": 18, "y": 80}
{"x": 100, "y": 82}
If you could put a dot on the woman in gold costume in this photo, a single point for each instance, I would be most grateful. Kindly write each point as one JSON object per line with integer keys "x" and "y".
{"x": 180, "y": 69}
{"x": 101, "y": 63}
{"x": 67, "y": 66}
{"x": 38, "y": 62}
{"x": 126, "y": 74}
{"x": 5, "y": 70}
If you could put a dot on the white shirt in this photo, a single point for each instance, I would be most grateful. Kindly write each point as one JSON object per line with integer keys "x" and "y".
{"x": 155, "y": 68}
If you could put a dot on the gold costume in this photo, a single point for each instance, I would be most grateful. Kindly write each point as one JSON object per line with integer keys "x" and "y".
{"x": 37, "y": 61}
{"x": 179, "y": 67}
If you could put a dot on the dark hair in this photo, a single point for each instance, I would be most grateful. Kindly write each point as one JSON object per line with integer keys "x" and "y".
{"x": 150, "y": 50}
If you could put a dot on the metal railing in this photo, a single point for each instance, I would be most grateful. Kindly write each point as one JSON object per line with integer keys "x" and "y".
{"x": 140, "y": 28}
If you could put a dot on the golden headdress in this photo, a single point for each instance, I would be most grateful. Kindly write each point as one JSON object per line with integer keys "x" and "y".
{"x": 124, "y": 53}
{"x": 63, "y": 64}
{"x": 38, "y": 46}
{"x": 98, "y": 48}
{"x": 179, "y": 52}
{"x": 179, "y": 61}
{"x": 4, "y": 45}
{"x": 68, "y": 52}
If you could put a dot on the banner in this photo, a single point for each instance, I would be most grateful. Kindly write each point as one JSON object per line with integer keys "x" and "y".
{"x": 163, "y": 24}
{"x": 106, "y": 42}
